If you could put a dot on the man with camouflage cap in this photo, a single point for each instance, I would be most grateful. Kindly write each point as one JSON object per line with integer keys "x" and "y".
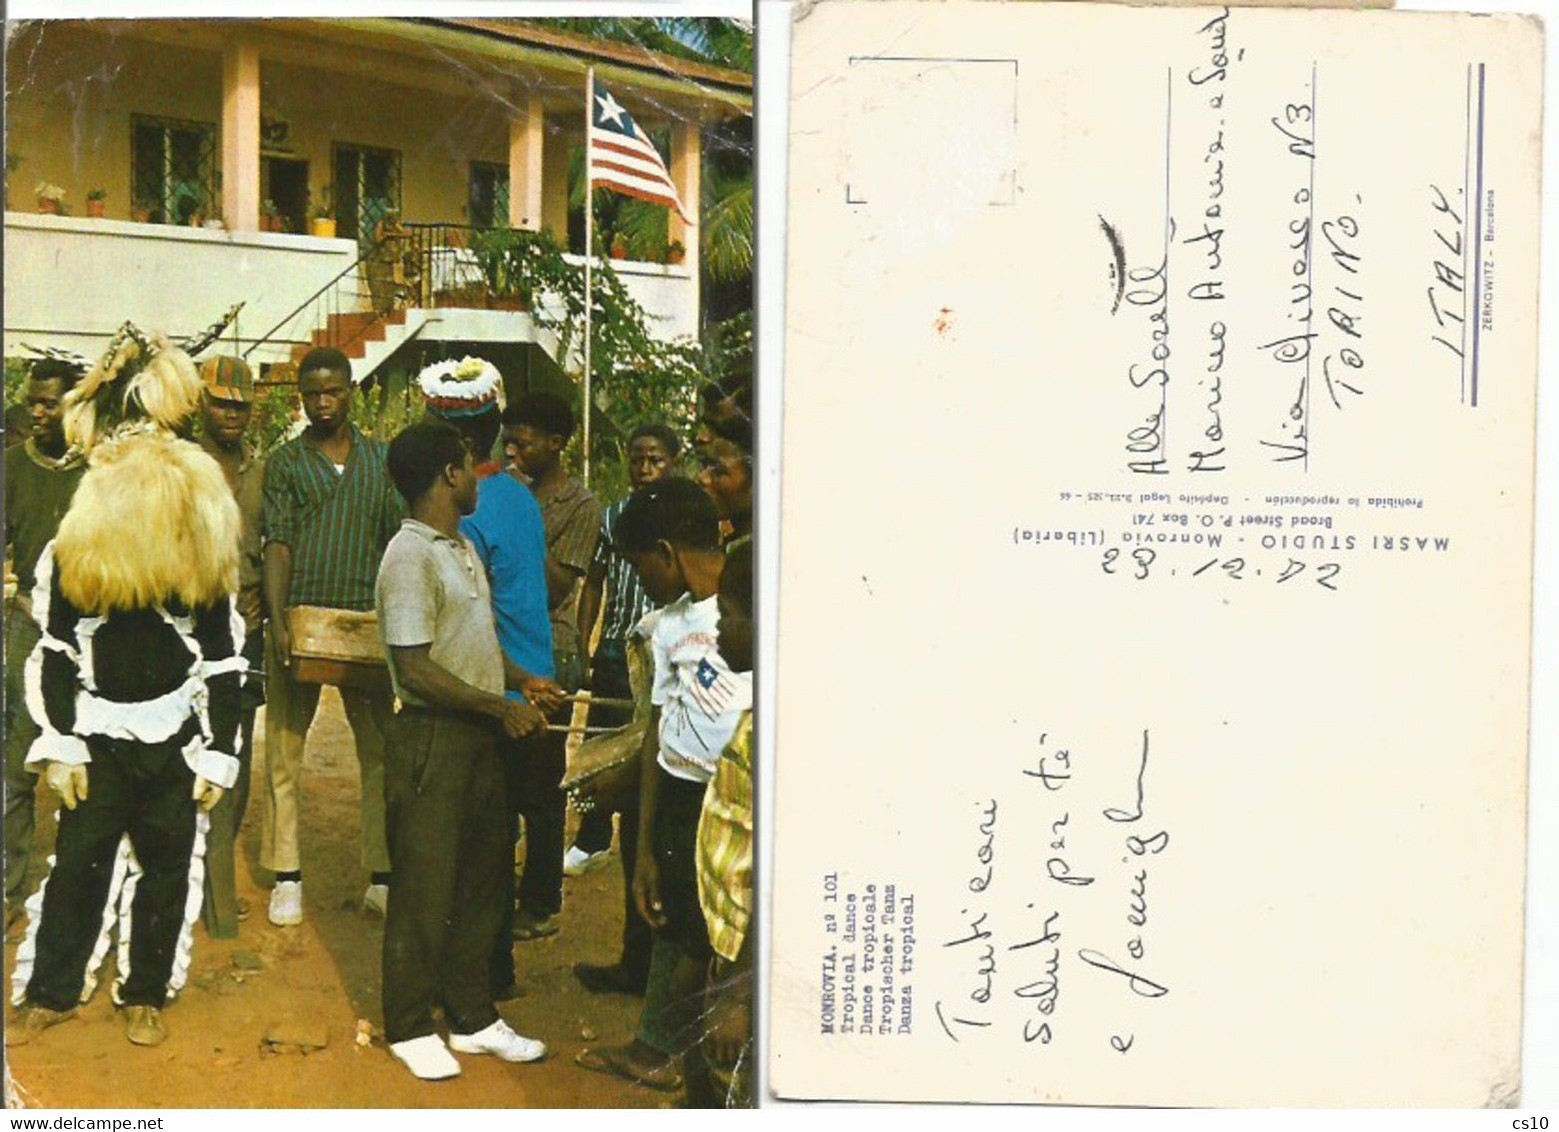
{"x": 227, "y": 405}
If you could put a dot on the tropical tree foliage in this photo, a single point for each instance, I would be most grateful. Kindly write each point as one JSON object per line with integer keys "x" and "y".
{"x": 723, "y": 43}
{"x": 725, "y": 230}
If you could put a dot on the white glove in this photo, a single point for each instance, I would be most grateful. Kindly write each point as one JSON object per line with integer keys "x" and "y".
{"x": 208, "y": 794}
{"x": 69, "y": 781}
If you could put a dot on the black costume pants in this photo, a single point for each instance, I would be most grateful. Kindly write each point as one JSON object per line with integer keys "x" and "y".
{"x": 450, "y": 853}
{"x": 143, "y": 789}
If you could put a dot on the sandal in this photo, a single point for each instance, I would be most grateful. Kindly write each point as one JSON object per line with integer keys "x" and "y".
{"x": 613, "y": 1060}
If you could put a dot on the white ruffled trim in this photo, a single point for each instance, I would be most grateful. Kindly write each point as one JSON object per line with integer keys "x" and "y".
{"x": 53, "y": 644}
{"x": 126, "y": 869}
{"x": 124, "y": 909}
{"x": 236, "y": 627}
{"x": 85, "y": 655}
{"x": 52, "y": 747}
{"x": 194, "y": 896}
{"x": 211, "y": 765}
{"x": 27, "y": 953}
{"x": 146, "y": 721}
{"x": 32, "y": 679}
{"x": 234, "y": 663}
{"x": 43, "y": 576}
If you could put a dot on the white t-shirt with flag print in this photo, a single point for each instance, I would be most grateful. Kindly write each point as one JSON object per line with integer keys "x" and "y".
{"x": 700, "y": 699}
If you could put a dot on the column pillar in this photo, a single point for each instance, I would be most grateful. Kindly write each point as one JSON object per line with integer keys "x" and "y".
{"x": 687, "y": 156}
{"x": 527, "y": 131}
{"x": 241, "y": 137}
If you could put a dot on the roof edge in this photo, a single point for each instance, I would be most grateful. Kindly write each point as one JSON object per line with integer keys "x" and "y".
{"x": 607, "y": 51}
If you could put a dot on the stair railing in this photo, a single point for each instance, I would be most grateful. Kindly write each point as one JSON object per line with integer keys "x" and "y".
{"x": 321, "y": 305}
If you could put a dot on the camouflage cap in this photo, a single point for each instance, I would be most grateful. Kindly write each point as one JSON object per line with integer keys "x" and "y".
{"x": 228, "y": 379}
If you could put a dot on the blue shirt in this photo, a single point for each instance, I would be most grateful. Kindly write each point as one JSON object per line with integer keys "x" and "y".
{"x": 507, "y": 531}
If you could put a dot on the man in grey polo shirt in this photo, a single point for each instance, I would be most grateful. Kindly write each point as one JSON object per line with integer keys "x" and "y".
{"x": 448, "y": 844}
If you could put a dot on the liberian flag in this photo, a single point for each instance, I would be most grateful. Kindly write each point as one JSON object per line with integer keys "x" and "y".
{"x": 623, "y": 158}
{"x": 713, "y": 689}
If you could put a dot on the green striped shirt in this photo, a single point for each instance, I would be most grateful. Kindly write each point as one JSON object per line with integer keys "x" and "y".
{"x": 337, "y": 524}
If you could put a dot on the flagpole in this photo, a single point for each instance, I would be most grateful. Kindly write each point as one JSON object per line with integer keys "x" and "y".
{"x": 589, "y": 254}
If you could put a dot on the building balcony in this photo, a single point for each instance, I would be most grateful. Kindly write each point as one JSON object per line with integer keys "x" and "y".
{"x": 70, "y": 282}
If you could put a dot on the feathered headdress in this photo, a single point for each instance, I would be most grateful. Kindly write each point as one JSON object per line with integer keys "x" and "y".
{"x": 461, "y": 389}
{"x": 153, "y": 519}
{"x": 141, "y": 380}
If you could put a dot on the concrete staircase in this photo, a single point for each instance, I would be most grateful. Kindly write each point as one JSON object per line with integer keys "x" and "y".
{"x": 367, "y": 339}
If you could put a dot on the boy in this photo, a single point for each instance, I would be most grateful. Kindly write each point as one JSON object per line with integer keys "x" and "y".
{"x": 670, "y": 534}
{"x": 330, "y": 510}
{"x": 447, "y": 839}
{"x": 536, "y": 429}
{"x": 226, "y": 408}
{"x": 507, "y": 531}
{"x": 726, "y": 474}
{"x": 725, "y": 860}
{"x": 652, "y": 451}
{"x": 41, "y": 474}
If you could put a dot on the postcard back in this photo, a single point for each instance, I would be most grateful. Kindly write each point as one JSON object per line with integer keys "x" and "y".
{"x": 1157, "y": 530}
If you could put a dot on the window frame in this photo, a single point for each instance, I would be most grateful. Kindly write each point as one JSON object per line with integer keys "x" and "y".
{"x": 500, "y": 196}
{"x": 208, "y": 186}
{"x": 352, "y": 228}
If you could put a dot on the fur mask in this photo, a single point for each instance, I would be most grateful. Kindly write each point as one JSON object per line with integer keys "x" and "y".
{"x": 152, "y": 520}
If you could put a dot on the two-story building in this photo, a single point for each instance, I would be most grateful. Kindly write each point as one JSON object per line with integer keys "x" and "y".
{"x": 213, "y": 148}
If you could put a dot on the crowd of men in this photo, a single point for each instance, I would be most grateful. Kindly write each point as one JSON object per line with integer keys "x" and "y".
{"x": 502, "y": 591}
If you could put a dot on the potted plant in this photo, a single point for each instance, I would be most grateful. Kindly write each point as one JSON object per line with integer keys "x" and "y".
{"x": 97, "y": 203}
{"x": 51, "y": 198}
{"x": 324, "y": 222}
{"x": 186, "y": 205}
{"x": 270, "y": 217}
{"x": 675, "y": 252}
{"x": 141, "y": 211}
{"x": 13, "y": 162}
{"x": 619, "y": 247}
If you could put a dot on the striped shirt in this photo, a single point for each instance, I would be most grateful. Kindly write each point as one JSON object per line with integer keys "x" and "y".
{"x": 337, "y": 524}
{"x": 725, "y": 847}
{"x": 626, "y": 601}
{"x": 572, "y": 519}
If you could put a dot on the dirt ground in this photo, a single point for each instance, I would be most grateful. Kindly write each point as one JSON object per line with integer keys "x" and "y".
{"x": 324, "y": 975}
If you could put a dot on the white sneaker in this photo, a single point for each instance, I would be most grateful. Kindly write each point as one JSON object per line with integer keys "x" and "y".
{"x": 427, "y": 1057}
{"x": 576, "y": 862}
{"x": 287, "y": 903}
{"x": 499, "y": 1039}
{"x": 377, "y": 899}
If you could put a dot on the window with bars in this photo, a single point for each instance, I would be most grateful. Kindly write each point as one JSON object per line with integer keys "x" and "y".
{"x": 489, "y": 195}
{"x": 367, "y": 189}
{"x": 173, "y": 169}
